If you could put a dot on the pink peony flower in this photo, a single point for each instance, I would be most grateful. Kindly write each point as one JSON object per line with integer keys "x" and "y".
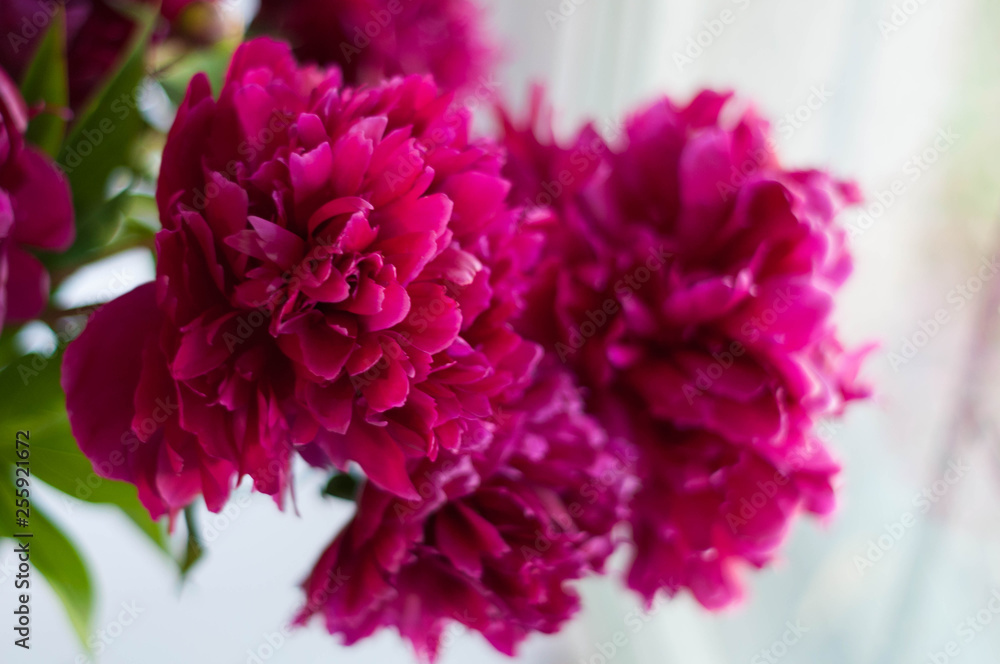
{"x": 690, "y": 285}
{"x": 323, "y": 286}
{"x": 35, "y": 211}
{"x": 373, "y": 39}
{"x": 493, "y": 541}
{"x": 97, "y": 34}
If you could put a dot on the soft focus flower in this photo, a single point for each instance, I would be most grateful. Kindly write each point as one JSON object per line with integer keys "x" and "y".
{"x": 35, "y": 211}
{"x": 373, "y": 39}
{"x": 689, "y": 285}
{"x": 493, "y": 541}
{"x": 97, "y": 33}
{"x": 324, "y": 285}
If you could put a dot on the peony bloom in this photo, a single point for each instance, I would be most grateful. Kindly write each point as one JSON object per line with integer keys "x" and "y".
{"x": 493, "y": 541}
{"x": 690, "y": 286}
{"x": 373, "y": 39}
{"x": 324, "y": 285}
{"x": 97, "y": 33}
{"x": 35, "y": 211}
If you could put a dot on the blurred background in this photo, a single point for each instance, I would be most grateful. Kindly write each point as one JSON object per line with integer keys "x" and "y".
{"x": 901, "y": 95}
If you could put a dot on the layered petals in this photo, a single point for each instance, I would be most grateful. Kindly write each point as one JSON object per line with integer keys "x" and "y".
{"x": 691, "y": 289}
{"x": 374, "y": 39}
{"x": 493, "y": 539}
{"x": 36, "y": 212}
{"x": 321, "y": 287}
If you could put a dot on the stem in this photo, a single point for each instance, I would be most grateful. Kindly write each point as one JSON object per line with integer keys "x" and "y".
{"x": 194, "y": 550}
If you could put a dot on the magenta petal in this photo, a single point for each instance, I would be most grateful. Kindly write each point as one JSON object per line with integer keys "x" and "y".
{"x": 6, "y": 215}
{"x": 101, "y": 370}
{"x": 197, "y": 355}
{"x": 280, "y": 245}
{"x": 27, "y": 285}
{"x": 477, "y": 198}
{"x": 453, "y": 539}
{"x": 389, "y": 389}
{"x": 395, "y": 307}
{"x": 40, "y": 196}
{"x": 332, "y": 405}
{"x": 311, "y": 172}
{"x": 351, "y": 156}
{"x": 324, "y": 350}
{"x": 435, "y": 320}
{"x": 379, "y": 456}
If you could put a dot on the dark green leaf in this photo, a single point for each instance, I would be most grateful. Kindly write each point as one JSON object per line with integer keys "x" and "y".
{"x": 213, "y": 61}
{"x": 46, "y": 82}
{"x": 194, "y": 550}
{"x": 33, "y": 400}
{"x": 56, "y": 559}
{"x": 58, "y": 462}
{"x": 101, "y": 140}
{"x": 8, "y": 346}
{"x": 342, "y": 485}
{"x": 31, "y": 390}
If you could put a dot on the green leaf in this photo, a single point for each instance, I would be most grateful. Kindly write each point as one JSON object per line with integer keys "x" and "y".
{"x": 142, "y": 215}
{"x": 46, "y": 82}
{"x": 58, "y": 462}
{"x": 34, "y": 400}
{"x": 31, "y": 390}
{"x": 100, "y": 142}
{"x": 56, "y": 559}
{"x": 342, "y": 485}
{"x": 213, "y": 61}
{"x": 106, "y": 219}
{"x": 8, "y": 346}
{"x": 193, "y": 551}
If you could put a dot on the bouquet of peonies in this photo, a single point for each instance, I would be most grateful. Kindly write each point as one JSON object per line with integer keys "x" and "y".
{"x": 525, "y": 354}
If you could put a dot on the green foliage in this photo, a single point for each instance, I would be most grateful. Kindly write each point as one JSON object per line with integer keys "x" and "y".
{"x": 103, "y": 150}
{"x": 34, "y": 401}
{"x": 54, "y": 556}
{"x": 342, "y": 485}
{"x": 46, "y": 83}
{"x": 100, "y": 142}
{"x": 213, "y": 61}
